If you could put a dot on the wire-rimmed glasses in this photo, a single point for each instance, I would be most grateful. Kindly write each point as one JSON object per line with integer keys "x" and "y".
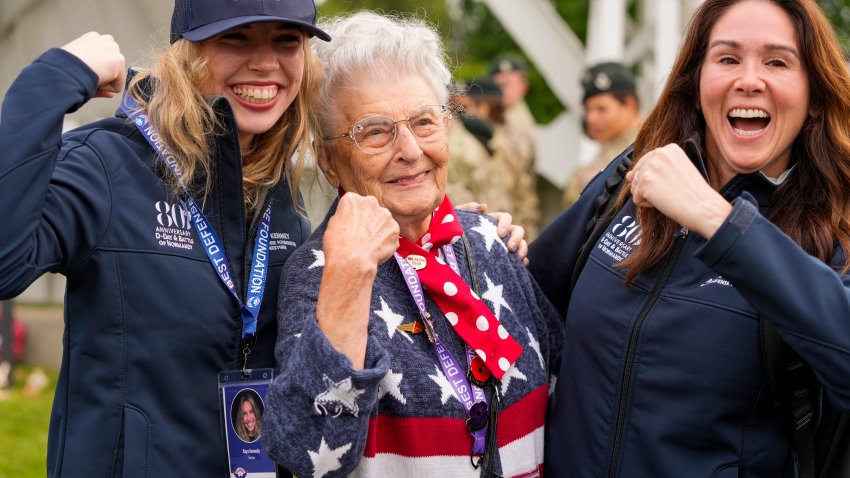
{"x": 376, "y": 134}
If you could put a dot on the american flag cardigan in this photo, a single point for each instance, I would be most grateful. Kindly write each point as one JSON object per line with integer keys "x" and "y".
{"x": 399, "y": 416}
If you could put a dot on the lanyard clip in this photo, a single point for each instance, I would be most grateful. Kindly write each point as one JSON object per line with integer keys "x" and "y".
{"x": 429, "y": 328}
{"x": 246, "y": 351}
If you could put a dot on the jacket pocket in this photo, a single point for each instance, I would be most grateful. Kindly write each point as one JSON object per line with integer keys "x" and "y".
{"x": 136, "y": 443}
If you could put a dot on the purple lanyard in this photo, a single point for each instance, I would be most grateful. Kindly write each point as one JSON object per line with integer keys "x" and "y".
{"x": 472, "y": 397}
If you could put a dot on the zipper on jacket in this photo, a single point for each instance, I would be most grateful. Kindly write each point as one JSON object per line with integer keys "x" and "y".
{"x": 633, "y": 341}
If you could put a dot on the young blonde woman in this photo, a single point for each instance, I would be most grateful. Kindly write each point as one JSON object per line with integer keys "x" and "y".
{"x": 150, "y": 317}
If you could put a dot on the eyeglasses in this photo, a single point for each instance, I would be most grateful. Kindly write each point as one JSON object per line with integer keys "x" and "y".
{"x": 376, "y": 134}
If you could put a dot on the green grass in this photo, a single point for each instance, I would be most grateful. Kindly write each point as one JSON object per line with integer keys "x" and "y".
{"x": 24, "y": 418}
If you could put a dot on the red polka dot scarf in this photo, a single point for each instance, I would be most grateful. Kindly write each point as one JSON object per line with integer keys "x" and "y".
{"x": 468, "y": 314}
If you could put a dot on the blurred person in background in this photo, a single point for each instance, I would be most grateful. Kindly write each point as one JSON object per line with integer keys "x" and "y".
{"x": 477, "y": 171}
{"x": 520, "y": 145}
{"x": 469, "y": 137}
{"x": 611, "y": 118}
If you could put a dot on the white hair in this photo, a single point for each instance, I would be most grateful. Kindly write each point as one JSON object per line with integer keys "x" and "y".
{"x": 367, "y": 45}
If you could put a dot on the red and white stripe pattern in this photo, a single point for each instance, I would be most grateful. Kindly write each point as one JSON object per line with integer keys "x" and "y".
{"x": 421, "y": 446}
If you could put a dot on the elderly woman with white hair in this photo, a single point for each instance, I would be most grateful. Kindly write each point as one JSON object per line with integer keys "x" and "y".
{"x": 412, "y": 342}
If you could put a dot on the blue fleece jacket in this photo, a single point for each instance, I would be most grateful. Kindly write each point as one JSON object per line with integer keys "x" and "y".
{"x": 665, "y": 376}
{"x": 148, "y": 322}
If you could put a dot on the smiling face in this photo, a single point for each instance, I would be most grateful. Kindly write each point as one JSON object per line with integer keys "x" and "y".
{"x": 754, "y": 91}
{"x": 249, "y": 418}
{"x": 258, "y": 68}
{"x": 409, "y": 178}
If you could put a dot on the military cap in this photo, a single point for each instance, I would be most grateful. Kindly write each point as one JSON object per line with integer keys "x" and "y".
{"x": 506, "y": 63}
{"x": 608, "y": 77}
{"x": 482, "y": 88}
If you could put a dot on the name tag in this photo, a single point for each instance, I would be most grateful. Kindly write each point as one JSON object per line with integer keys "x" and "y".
{"x": 243, "y": 397}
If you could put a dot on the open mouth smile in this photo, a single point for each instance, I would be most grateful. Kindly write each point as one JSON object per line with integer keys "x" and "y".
{"x": 256, "y": 94}
{"x": 748, "y": 122}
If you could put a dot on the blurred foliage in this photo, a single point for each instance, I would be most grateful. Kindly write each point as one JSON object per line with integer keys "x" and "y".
{"x": 838, "y": 12}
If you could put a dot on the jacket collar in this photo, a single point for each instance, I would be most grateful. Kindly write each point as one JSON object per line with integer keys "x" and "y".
{"x": 226, "y": 145}
{"x": 757, "y": 184}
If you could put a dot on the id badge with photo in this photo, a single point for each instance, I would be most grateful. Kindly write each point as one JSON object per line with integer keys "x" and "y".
{"x": 243, "y": 395}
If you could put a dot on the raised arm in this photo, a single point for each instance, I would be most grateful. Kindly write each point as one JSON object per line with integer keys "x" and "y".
{"x": 53, "y": 193}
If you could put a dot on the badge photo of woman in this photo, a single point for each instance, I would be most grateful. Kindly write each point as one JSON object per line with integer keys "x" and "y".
{"x": 247, "y": 415}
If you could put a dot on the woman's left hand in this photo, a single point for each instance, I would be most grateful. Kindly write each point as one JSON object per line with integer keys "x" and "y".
{"x": 666, "y": 179}
{"x": 516, "y": 243}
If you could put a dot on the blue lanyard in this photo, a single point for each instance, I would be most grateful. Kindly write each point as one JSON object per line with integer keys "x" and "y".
{"x": 211, "y": 243}
{"x": 469, "y": 395}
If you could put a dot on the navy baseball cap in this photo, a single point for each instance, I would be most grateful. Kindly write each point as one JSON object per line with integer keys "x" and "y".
{"x": 198, "y": 20}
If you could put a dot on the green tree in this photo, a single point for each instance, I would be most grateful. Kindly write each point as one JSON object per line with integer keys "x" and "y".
{"x": 838, "y": 12}
{"x": 479, "y": 37}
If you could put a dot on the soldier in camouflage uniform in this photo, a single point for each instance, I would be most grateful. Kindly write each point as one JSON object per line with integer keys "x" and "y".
{"x": 517, "y": 145}
{"x": 612, "y": 118}
{"x": 467, "y": 157}
{"x": 474, "y": 173}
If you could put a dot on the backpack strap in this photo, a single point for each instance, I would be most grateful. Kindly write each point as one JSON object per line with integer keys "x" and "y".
{"x": 788, "y": 378}
{"x": 832, "y": 442}
{"x": 605, "y": 209}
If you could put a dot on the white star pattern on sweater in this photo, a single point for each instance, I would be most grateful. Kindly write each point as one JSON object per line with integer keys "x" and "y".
{"x": 534, "y": 344}
{"x": 340, "y": 396}
{"x": 489, "y": 233}
{"x": 392, "y": 319}
{"x": 494, "y": 295}
{"x": 320, "y": 259}
{"x": 510, "y": 374}
{"x": 391, "y": 384}
{"x": 326, "y": 459}
{"x": 446, "y": 389}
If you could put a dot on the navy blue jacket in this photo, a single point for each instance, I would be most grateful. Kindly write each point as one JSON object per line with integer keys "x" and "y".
{"x": 148, "y": 322}
{"x": 664, "y": 378}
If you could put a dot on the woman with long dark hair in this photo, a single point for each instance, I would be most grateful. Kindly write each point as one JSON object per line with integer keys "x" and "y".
{"x": 734, "y": 217}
